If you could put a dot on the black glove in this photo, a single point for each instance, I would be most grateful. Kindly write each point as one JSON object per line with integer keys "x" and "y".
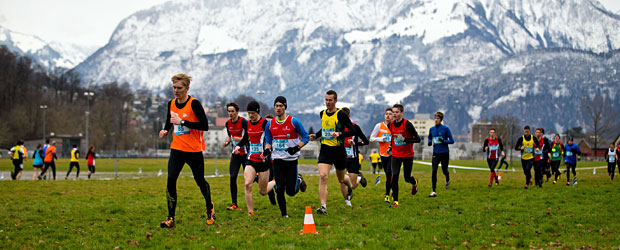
{"x": 440, "y": 140}
{"x": 293, "y": 150}
{"x": 389, "y": 151}
{"x": 430, "y": 143}
{"x": 267, "y": 152}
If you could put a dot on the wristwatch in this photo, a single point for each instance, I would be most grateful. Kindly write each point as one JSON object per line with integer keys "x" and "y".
{"x": 182, "y": 122}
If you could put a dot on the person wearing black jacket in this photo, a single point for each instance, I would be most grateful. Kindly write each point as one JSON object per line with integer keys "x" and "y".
{"x": 541, "y": 156}
{"x": 526, "y": 145}
{"x": 494, "y": 148}
{"x": 351, "y": 145}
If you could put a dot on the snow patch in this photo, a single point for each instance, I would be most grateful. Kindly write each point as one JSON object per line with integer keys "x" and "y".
{"x": 474, "y": 112}
{"x": 513, "y": 67}
{"x": 212, "y": 40}
{"x": 514, "y": 95}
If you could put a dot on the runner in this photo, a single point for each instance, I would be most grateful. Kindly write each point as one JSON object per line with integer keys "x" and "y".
{"x": 75, "y": 156}
{"x": 50, "y": 156}
{"x": 526, "y": 145}
{"x": 90, "y": 160}
{"x": 236, "y": 127}
{"x": 571, "y": 151}
{"x": 381, "y": 133}
{"x": 440, "y": 136}
{"x": 375, "y": 160}
{"x": 557, "y": 150}
{"x": 503, "y": 161}
{"x": 37, "y": 163}
{"x": 332, "y": 152}
{"x": 404, "y": 136}
{"x": 541, "y": 152}
{"x": 187, "y": 116}
{"x": 493, "y": 146}
{"x": 354, "y": 158}
{"x": 17, "y": 156}
{"x": 255, "y": 163}
{"x": 611, "y": 158}
{"x": 288, "y": 136}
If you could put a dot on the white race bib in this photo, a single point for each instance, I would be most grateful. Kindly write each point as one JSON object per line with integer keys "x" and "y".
{"x": 326, "y": 133}
{"x": 349, "y": 152}
{"x": 398, "y": 142}
{"x": 256, "y": 148}
{"x": 387, "y": 137}
{"x": 493, "y": 147}
{"x": 528, "y": 150}
{"x": 612, "y": 159}
{"x": 280, "y": 144}
{"x": 555, "y": 154}
{"x": 180, "y": 130}
{"x": 569, "y": 153}
{"x": 436, "y": 139}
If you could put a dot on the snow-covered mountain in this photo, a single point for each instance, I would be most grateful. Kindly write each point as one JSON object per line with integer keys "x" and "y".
{"x": 374, "y": 53}
{"x": 50, "y": 55}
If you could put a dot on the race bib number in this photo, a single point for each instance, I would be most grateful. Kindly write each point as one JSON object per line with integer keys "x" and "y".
{"x": 569, "y": 153}
{"x": 280, "y": 144}
{"x": 612, "y": 159}
{"x": 387, "y": 137}
{"x": 326, "y": 133}
{"x": 256, "y": 148}
{"x": 436, "y": 139}
{"x": 528, "y": 150}
{"x": 493, "y": 147}
{"x": 398, "y": 142}
{"x": 539, "y": 152}
{"x": 555, "y": 154}
{"x": 349, "y": 152}
{"x": 180, "y": 130}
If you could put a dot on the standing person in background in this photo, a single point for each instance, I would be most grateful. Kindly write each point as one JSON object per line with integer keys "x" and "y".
{"x": 611, "y": 158}
{"x": 375, "y": 160}
{"x": 526, "y": 145}
{"x": 440, "y": 137}
{"x": 17, "y": 156}
{"x": 494, "y": 148}
{"x": 37, "y": 163}
{"x": 90, "y": 160}
{"x": 557, "y": 150}
{"x": 236, "y": 127}
{"x": 541, "y": 154}
{"x": 75, "y": 156}
{"x": 187, "y": 119}
{"x": 49, "y": 160}
{"x": 381, "y": 134}
{"x": 571, "y": 151}
{"x": 404, "y": 136}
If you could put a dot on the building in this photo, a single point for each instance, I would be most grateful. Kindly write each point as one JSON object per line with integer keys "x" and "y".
{"x": 480, "y": 131}
{"x": 422, "y": 123}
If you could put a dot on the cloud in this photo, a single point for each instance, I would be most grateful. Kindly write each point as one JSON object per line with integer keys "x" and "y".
{"x": 2, "y": 19}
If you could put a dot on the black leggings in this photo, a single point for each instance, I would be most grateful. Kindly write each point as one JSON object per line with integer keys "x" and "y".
{"x": 286, "y": 181}
{"x": 74, "y": 164}
{"x": 492, "y": 163}
{"x": 47, "y": 166}
{"x": 407, "y": 163}
{"x": 527, "y": 169}
{"x": 502, "y": 162}
{"x": 91, "y": 168}
{"x": 176, "y": 162}
{"x": 236, "y": 161}
{"x": 611, "y": 169}
{"x": 444, "y": 158}
{"x": 539, "y": 170}
{"x": 569, "y": 167}
{"x": 18, "y": 168}
{"x": 386, "y": 162}
{"x": 555, "y": 169}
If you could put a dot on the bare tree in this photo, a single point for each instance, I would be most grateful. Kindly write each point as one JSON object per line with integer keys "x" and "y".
{"x": 600, "y": 111}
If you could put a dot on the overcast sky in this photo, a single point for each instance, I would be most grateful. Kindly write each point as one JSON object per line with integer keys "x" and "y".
{"x": 88, "y": 22}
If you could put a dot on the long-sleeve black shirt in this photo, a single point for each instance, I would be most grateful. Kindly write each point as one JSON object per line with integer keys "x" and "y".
{"x": 202, "y": 123}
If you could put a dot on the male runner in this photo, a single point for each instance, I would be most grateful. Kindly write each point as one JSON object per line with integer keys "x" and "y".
{"x": 37, "y": 163}
{"x": 17, "y": 156}
{"x": 541, "y": 154}
{"x": 611, "y": 159}
{"x": 381, "y": 133}
{"x": 236, "y": 127}
{"x": 571, "y": 151}
{"x": 375, "y": 160}
{"x": 186, "y": 115}
{"x": 50, "y": 156}
{"x": 255, "y": 163}
{"x": 90, "y": 161}
{"x": 75, "y": 156}
{"x": 353, "y": 162}
{"x": 332, "y": 152}
{"x": 284, "y": 138}
{"x": 494, "y": 148}
{"x": 526, "y": 145}
{"x": 557, "y": 150}
{"x": 440, "y": 136}
{"x": 404, "y": 136}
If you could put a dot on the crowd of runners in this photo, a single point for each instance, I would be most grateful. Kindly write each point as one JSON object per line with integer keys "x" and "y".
{"x": 268, "y": 149}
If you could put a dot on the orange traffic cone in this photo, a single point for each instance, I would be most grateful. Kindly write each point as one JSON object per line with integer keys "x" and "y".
{"x": 499, "y": 178}
{"x": 309, "y": 227}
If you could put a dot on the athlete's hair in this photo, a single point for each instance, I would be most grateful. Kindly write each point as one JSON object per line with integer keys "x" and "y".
{"x": 557, "y": 136}
{"x": 75, "y": 145}
{"x": 184, "y": 78}
{"x": 346, "y": 110}
{"x": 20, "y": 142}
{"x": 91, "y": 149}
{"x": 269, "y": 116}
{"x": 527, "y": 127}
{"x": 234, "y": 105}
{"x": 399, "y": 107}
{"x": 542, "y": 130}
{"x": 332, "y": 92}
{"x": 47, "y": 141}
{"x": 493, "y": 129}
{"x": 439, "y": 114}
{"x": 53, "y": 143}
{"x": 387, "y": 109}
{"x": 39, "y": 146}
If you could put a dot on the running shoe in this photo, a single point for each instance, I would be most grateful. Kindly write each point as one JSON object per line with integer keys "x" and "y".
{"x": 285, "y": 216}
{"x": 363, "y": 180}
{"x": 447, "y": 184}
{"x": 348, "y": 202}
{"x": 322, "y": 210}
{"x": 526, "y": 186}
{"x": 272, "y": 197}
{"x": 490, "y": 185}
{"x": 568, "y": 183}
{"x": 433, "y": 194}
{"x": 302, "y": 183}
{"x": 233, "y": 207}
{"x": 251, "y": 213}
{"x": 349, "y": 193}
{"x": 387, "y": 199}
{"x": 89, "y": 176}
{"x": 414, "y": 187}
{"x": 168, "y": 223}
{"x": 554, "y": 181}
{"x": 395, "y": 204}
{"x": 211, "y": 215}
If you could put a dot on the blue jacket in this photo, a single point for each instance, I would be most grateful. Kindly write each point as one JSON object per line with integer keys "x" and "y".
{"x": 571, "y": 152}
{"x": 443, "y": 132}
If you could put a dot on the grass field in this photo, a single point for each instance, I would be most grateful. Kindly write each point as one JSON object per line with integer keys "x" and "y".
{"x": 126, "y": 214}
